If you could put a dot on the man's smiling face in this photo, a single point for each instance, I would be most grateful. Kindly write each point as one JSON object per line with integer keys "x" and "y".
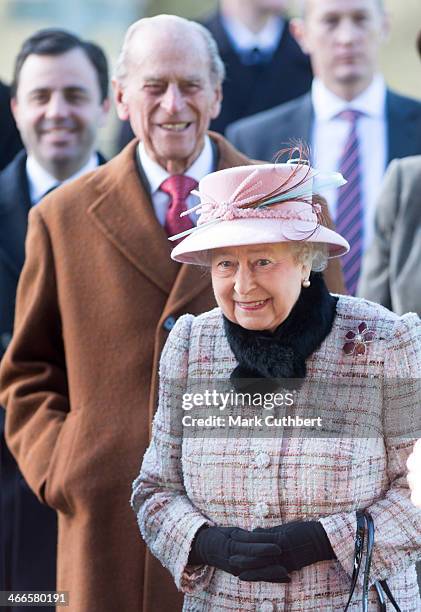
{"x": 169, "y": 95}
{"x": 58, "y": 110}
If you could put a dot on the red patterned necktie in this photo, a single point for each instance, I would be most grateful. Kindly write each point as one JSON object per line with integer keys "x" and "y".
{"x": 178, "y": 187}
{"x": 349, "y": 212}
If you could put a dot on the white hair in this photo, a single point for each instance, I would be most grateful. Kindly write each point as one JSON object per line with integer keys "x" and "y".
{"x": 216, "y": 65}
{"x": 315, "y": 254}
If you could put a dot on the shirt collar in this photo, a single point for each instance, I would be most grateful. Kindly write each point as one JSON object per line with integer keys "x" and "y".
{"x": 370, "y": 102}
{"x": 244, "y": 40}
{"x": 156, "y": 174}
{"x": 40, "y": 181}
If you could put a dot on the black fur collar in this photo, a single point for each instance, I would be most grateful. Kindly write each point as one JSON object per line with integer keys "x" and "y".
{"x": 283, "y": 353}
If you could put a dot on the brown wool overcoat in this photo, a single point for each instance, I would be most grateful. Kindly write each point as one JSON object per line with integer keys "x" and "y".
{"x": 96, "y": 297}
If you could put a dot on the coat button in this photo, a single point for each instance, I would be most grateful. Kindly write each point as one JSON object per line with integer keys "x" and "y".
{"x": 266, "y": 606}
{"x": 261, "y": 509}
{"x": 169, "y": 323}
{"x": 262, "y": 460}
{"x": 5, "y": 339}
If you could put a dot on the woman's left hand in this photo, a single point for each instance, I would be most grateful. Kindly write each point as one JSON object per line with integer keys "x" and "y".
{"x": 414, "y": 475}
{"x": 301, "y": 542}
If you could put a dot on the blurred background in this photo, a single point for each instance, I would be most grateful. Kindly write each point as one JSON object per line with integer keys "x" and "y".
{"x": 105, "y": 21}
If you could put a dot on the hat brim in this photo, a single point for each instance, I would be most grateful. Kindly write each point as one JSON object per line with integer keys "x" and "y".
{"x": 240, "y": 232}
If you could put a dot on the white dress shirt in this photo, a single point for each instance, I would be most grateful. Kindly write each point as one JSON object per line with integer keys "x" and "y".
{"x": 40, "y": 181}
{"x": 156, "y": 175}
{"x": 244, "y": 39}
{"x": 330, "y": 134}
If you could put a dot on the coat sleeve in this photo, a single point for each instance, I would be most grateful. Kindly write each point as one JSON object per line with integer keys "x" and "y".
{"x": 33, "y": 379}
{"x": 397, "y": 521}
{"x": 167, "y": 518}
{"x": 374, "y": 282}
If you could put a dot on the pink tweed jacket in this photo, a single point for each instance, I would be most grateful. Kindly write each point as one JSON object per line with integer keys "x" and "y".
{"x": 186, "y": 482}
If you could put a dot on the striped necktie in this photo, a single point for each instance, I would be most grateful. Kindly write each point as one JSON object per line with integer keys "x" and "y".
{"x": 349, "y": 212}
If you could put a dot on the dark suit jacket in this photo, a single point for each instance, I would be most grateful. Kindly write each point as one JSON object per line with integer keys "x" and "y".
{"x": 262, "y": 135}
{"x": 10, "y": 142}
{"x": 251, "y": 89}
{"x": 28, "y": 531}
{"x": 391, "y": 267}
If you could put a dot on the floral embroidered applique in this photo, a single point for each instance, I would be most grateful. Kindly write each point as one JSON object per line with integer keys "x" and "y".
{"x": 357, "y": 342}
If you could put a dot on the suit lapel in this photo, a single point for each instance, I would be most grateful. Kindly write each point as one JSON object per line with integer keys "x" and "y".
{"x": 297, "y": 118}
{"x": 304, "y": 118}
{"x": 402, "y": 127}
{"x": 125, "y": 215}
{"x": 14, "y": 208}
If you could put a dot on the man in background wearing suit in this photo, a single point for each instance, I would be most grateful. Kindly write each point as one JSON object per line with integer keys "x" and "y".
{"x": 351, "y": 120}
{"x": 10, "y": 142}
{"x": 59, "y": 100}
{"x": 391, "y": 266}
{"x": 264, "y": 64}
{"x": 98, "y": 296}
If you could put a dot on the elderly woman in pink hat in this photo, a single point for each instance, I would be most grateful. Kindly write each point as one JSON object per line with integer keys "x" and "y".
{"x": 273, "y": 520}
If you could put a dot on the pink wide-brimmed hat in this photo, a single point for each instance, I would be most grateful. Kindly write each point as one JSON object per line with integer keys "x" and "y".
{"x": 259, "y": 204}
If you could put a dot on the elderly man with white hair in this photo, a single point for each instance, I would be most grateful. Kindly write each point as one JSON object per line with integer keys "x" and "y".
{"x": 98, "y": 296}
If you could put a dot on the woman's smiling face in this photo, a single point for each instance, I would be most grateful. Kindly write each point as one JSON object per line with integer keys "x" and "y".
{"x": 256, "y": 286}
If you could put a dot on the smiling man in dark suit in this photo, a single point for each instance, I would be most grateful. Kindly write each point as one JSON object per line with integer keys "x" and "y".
{"x": 59, "y": 100}
{"x": 348, "y": 98}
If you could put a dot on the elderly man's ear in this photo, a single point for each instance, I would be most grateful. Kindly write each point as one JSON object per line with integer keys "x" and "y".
{"x": 120, "y": 100}
{"x": 217, "y": 102}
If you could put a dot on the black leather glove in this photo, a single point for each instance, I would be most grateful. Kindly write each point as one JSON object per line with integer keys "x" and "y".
{"x": 215, "y": 546}
{"x": 301, "y": 543}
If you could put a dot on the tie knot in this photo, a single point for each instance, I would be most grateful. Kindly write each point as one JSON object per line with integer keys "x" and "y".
{"x": 255, "y": 56}
{"x": 350, "y": 115}
{"x": 178, "y": 186}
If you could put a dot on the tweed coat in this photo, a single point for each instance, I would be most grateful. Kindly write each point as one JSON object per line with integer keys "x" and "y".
{"x": 187, "y": 481}
{"x": 97, "y": 296}
{"x": 390, "y": 271}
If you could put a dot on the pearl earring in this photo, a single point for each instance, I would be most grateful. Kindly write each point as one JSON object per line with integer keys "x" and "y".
{"x": 306, "y": 283}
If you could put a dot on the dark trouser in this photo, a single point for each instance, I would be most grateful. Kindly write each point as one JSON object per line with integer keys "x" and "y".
{"x": 28, "y": 533}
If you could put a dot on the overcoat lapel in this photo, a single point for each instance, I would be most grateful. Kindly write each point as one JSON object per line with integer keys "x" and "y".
{"x": 124, "y": 213}
{"x": 190, "y": 282}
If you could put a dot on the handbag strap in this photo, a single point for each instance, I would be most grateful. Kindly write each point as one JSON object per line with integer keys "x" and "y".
{"x": 365, "y": 524}
{"x": 381, "y": 586}
{"x": 370, "y": 544}
{"x": 388, "y": 592}
{"x": 358, "y": 554}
